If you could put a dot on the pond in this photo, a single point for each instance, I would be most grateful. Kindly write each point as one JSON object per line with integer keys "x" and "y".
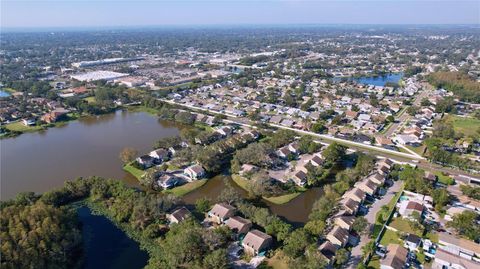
{"x": 295, "y": 212}
{"x": 90, "y": 146}
{"x": 106, "y": 246}
{"x": 376, "y": 80}
{"x": 4, "y": 94}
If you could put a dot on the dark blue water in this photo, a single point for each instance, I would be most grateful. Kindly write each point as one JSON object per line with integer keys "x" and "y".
{"x": 377, "y": 81}
{"x": 106, "y": 246}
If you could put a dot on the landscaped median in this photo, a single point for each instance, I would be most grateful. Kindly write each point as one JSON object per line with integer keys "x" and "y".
{"x": 278, "y": 200}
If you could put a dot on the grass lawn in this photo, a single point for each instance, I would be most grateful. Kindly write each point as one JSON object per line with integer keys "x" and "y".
{"x": 282, "y": 199}
{"x": 186, "y": 188}
{"x": 20, "y": 127}
{"x": 390, "y": 237}
{"x": 276, "y": 262}
{"x": 142, "y": 109}
{"x": 90, "y": 99}
{"x": 404, "y": 226}
{"x": 447, "y": 180}
{"x": 137, "y": 173}
{"x": 278, "y": 200}
{"x": 374, "y": 263}
{"x": 467, "y": 126}
{"x": 418, "y": 150}
{"x": 240, "y": 181}
{"x": 9, "y": 90}
{"x": 432, "y": 236}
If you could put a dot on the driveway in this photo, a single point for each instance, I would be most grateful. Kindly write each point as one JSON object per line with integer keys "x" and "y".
{"x": 356, "y": 254}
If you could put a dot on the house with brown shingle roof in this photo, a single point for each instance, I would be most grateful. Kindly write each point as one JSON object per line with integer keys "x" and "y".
{"x": 350, "y": 206}
{"x": 367, "y": 186}
{"x": 355, "y": 194}
{"x": 396, "y": 257}
{"x": 179, "y": 215}
{"x": 256, "y": 242}
{"x": 221, "y": 212}
{"x": 338, "y": 236}
{"x": 238, "y": 224}
{"x": 345, "y": 222}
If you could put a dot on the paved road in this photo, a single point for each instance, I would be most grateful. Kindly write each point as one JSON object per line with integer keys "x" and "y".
{"x": 245, "y": 122}
{"x": 356, "y": 254}
{"x": 399, "y": 156}
{"x": 404, "y": 117}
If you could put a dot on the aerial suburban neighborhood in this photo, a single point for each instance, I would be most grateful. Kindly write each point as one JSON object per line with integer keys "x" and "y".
{"x": 292, "y": 146}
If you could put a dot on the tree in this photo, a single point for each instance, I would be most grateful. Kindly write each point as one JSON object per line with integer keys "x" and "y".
{"x": 471, "y": 191}
{"x": 341, "y": 256}
{"x": 202, "y": 205}
{"x": 296, "y": 242}
{"x": 369, "y": 248}
{"x": 360, "y": 225}
{"x": 334, "y": 153}
{"x": 128, "y": 154}
{"x": 217, "y": 259}
{"x": 319, "y": 128}
{"x": 441, "y": 198}
{"x": 390, "y": 118}
{"x": 466, "y": 224}
{"x": 229, "y": 195}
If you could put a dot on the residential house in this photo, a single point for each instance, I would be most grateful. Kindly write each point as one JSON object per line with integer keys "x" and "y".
{"x": 256, "y": 242}
{"x": 248, "y": 169}
{"x": 377, "y": 178}
{"x": 338, "y": 236}
{"x": 367, "y": 186}
{"x": 146, "y": 161}
{"x": 458, "y": 246}
{"x": 167, "y": 181}
{"x": 412, "y": 242}
{"x": 195, "y": 172}
{"x": 448, "y": 260}
{"x": 299, "y": 177}
{"x": 345, "y": 222}
{"x": 407, "y": 208}
{"x": 316, "y": 160}
{"x": 283, "y": 152}
{"x": 239, "y": 225}
{"x": 355, "y": 194}
{"x": 160, "y": 155}
{"x": 350, "y": 206}
{"x": 328, "y": 250}
{"x": 396, "y": 257}
{"x": 179, "y": 215}
{"x": 221, "y": 212}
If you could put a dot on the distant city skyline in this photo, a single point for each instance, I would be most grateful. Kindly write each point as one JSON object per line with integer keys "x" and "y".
{"x": 109, "y": 13}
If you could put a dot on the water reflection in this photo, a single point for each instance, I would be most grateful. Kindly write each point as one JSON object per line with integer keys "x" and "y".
{"x": 90, "y": 146}
{"x": 106, "y": 246}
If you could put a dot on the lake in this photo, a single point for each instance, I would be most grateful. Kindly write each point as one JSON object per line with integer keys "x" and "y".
{"x": 106, "y": 246}
{"x": 376, "y": 81}
{"x": 90, "y": 146}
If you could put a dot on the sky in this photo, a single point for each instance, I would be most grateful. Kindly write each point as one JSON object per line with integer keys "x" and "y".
{"x": 131, "y": 13}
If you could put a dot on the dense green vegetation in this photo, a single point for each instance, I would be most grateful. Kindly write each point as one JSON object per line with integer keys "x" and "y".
{"x": 459, "y": 83}
{"x": 471, "y": 191}
{"x": 36, "y": 234}
{"x": 466, "y": 225}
